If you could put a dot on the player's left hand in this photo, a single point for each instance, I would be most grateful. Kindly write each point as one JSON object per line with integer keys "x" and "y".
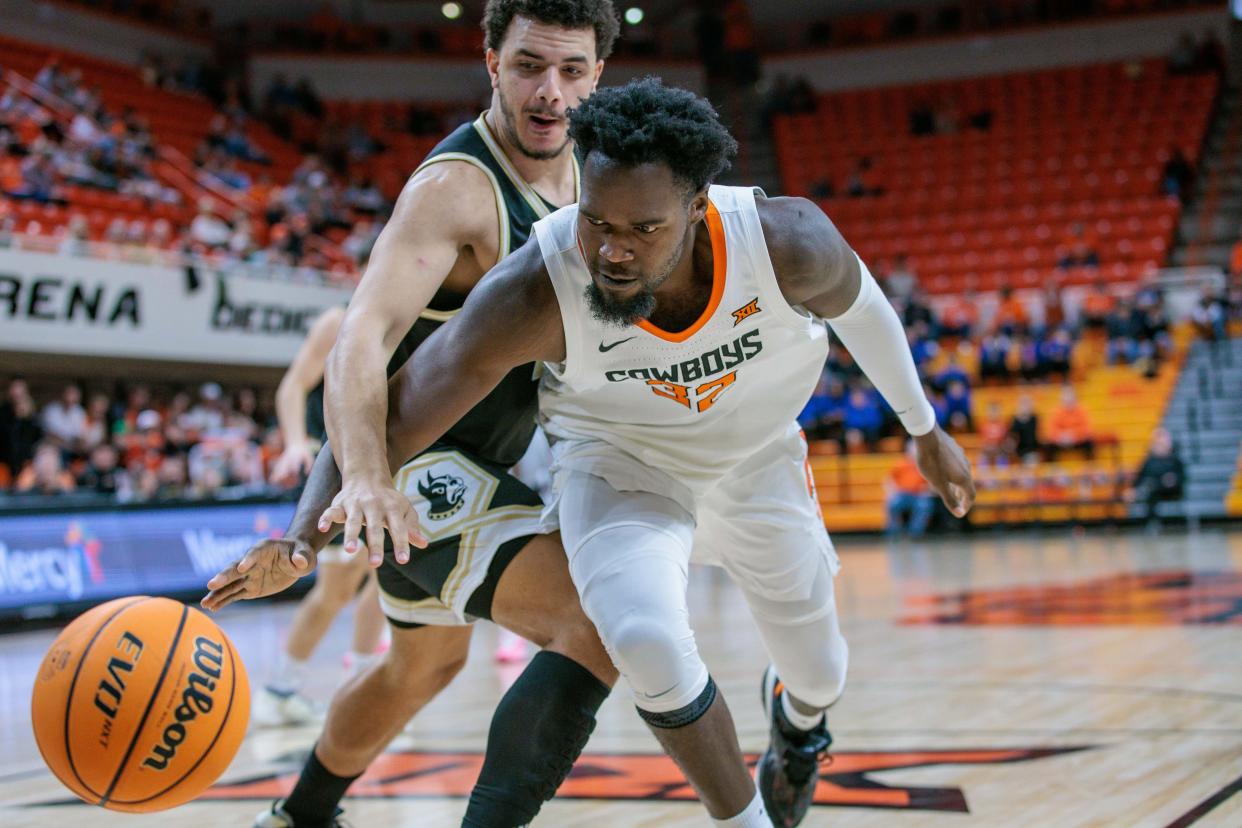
{"x": 270, "y": 566}
{"x": 946, "y": 469}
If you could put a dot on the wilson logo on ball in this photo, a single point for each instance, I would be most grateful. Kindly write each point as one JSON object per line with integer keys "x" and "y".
{"x": 196, "y": 698}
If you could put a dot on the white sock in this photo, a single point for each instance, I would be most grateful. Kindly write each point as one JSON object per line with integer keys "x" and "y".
{"x": 360, "y": 661}
{"x": 755, "y": 816}
{"x": 796, "y": 718}
{"x": 289, "y": 675}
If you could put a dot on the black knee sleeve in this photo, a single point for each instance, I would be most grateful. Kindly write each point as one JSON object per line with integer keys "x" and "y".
{"x": 683, "y": 716}
{"x": 538, "y": 730}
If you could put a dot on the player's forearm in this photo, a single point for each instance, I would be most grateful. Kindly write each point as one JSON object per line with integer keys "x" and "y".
{"x": 291, "y": 414}
{"x": 356, "y": 406}
{"x": 323, "y": 484}
{"x": 875, "y": 338}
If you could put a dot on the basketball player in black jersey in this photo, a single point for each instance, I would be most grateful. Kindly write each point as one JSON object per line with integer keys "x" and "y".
{"x": 299, "y": 414}
{"x": 467, "y": 206}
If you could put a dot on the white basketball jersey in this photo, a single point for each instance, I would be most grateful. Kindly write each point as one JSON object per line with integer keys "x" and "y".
{"x": 695, "y": 403}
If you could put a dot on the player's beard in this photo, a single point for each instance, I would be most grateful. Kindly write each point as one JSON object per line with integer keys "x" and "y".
{"x": 508, "y": 122}
{"x": 623, "y": 312}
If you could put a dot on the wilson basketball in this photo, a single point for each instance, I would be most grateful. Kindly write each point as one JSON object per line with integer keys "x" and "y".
{"x": 140, "y": 704}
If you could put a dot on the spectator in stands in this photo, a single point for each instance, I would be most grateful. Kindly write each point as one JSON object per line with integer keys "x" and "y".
{"x": 76, "y": 241}
{"x": 1122, "y": 336}
{"x": 994, "y": 357}
{"x": 308, "y": 99}
{"x": 960, "y": 316}
{"x": 137, "y": 400}
{"x": 994, "y": 440}
{"x": 922, "y": 119}
{"x": 909, "y": 501}
{"x": 18, "y": 426}
{"x": 1177, "y": 176}
{"x": 1209, "y": 316}
{"x": 862, "y": 420}
{"x": 1161, "y": 478}
{"x": 858, "y": 181}
{"x": 207, "y": 417}
{"x": 46, "y": 474}
{"x": 1053, "y": 308}
{"x": 97, "y": 429}
{"x": 40, "y": 179}
{"x": 1097, "y": 305}
{"x": 1012, "y": 317}
{"x": 923, "y": 346}
{"x": 141, "y": 484}
{"x": 208, "y": 229}
{"x": 901, "y": 281}
{"x": 1029, "y": 366}
{"x": 1069, "y": 427}
{"x": 1079, "y": 248}
{"x": 1152, "y": 331}
{"x": 918, "y": 310}
{"x": 242, "y": 418}
{"x": 172, "y": 476}
{"x": 951, "y": 372}
{"x": 1024, "y": 429}
{"x": 145, "y": 444}
{"x": 1055, "y": 353}
{"x": 364, "y": 197}
{"x": 360, "y": 240}
{"x": 1182, "y": 58}
{"x": 958, "y": 407}
{"x": 101, "y": 474}
{"x": 64, "y": 420}
{"x": 824, "y": 413}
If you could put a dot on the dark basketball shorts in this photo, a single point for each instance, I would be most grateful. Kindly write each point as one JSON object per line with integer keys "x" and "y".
{"x": 476, "y": 517}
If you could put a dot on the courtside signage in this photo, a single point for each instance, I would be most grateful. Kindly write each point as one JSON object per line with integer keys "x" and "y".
{"x": 70, "y": 305}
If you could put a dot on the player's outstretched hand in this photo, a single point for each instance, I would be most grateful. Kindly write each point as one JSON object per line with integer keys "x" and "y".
{"x": 944, "y": 465}
{"x": 270, "y": 566}
{"x": 375, "y": 503}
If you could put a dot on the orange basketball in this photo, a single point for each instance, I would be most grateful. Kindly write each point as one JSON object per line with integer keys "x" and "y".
{"x": 140, "y": 704}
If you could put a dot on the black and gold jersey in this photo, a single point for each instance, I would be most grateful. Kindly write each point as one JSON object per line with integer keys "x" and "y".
{"x": 500, "y": 427}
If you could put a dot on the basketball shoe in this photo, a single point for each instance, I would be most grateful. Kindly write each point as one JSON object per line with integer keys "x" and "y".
{"x": 273, "y": 708}
{"x": 275, "y": 817}
{"x": 789, "y": 770}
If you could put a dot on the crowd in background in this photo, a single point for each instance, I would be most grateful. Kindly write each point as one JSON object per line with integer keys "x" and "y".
{"x": 1023, "y": 340}
{"x": 40, "y": 154}
{"x": 136, "y": 444}
{"x": 276, "y": 223}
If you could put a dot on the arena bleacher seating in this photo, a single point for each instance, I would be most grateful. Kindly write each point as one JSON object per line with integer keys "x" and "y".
{"x": 988, "y": 207}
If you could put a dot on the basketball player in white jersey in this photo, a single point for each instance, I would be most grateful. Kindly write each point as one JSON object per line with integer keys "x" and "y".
{"x": 682, "y": 328}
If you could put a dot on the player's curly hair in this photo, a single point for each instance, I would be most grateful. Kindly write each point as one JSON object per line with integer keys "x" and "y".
{"x": 569, "y": 14}
{"x": 645, "y": 122}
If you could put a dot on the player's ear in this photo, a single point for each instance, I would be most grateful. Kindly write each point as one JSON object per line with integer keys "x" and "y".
{"x": 698, "y": 206}
{"x": 492, "y": 58}
{"x": 599, "y": 68}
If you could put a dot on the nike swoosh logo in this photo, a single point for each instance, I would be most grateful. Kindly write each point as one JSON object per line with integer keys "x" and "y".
{"x": 603, "y": 349}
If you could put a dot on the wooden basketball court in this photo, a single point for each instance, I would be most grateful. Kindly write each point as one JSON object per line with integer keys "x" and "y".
{"x": 998, "y": 680}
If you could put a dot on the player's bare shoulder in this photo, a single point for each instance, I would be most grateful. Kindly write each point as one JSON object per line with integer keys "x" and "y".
{"x": 808, "y": 252}
{"x": 452, "y": 195}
